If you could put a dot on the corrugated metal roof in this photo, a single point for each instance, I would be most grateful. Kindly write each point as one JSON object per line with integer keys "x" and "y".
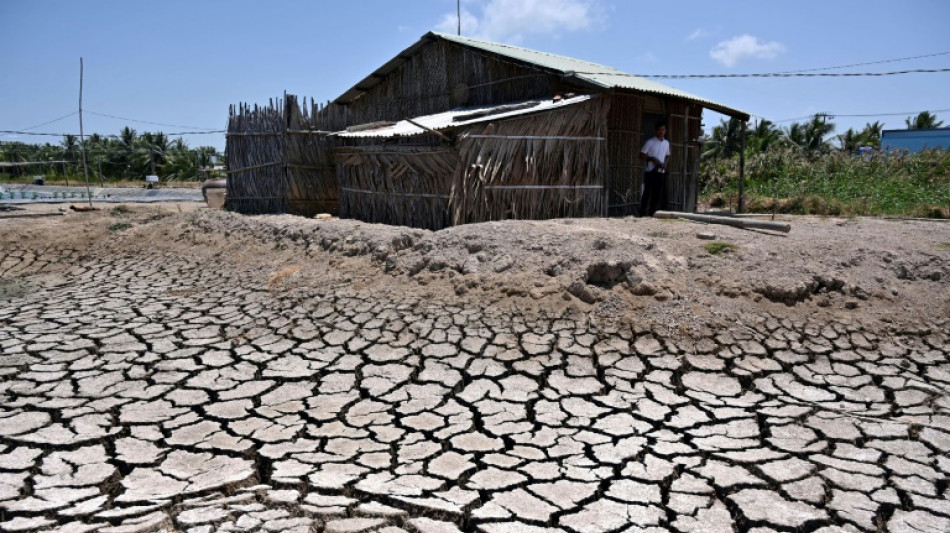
{"x": 586, "y": 72}
{"x": 448, "y": 119}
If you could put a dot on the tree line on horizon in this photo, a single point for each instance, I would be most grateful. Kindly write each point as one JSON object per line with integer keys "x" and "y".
{"x": 813, "y": 137}
{"x": 127, "y": 156}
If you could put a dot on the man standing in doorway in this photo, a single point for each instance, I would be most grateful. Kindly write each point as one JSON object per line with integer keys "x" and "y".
{"x": 656, "y": 152}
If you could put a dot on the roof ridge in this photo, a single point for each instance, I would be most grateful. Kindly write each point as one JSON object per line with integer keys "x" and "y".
{"x": 458, "y": 38}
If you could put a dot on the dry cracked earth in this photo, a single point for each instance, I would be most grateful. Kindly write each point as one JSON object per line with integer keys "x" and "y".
{"x": 144, "y": 390}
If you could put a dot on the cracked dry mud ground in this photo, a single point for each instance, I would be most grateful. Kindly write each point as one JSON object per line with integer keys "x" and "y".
{"x": 151, "y": 388}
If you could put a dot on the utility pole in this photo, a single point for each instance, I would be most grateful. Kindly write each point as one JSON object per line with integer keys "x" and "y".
{"x": 65, "y": 176}
{"x": 82, "y": 138}
{"x": 458, "y": 12}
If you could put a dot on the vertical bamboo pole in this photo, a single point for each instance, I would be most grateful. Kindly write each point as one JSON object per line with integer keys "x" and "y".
{"x": 741, "y": 208}
{"x": 82, "y": 138}
{"x": 683, "y": 169}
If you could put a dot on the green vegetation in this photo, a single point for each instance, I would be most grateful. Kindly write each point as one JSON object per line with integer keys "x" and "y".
{"x": 944, "y": 246}
{"x": 720, "y": 247}
{"x": 798, "y": 170}
{"x": 120, "y": 226}
{"x": 128, "y": 156}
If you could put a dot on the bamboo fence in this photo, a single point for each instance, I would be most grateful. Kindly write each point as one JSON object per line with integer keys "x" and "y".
{"x": 280, "y": 157}
{"x": 256, "y": 181}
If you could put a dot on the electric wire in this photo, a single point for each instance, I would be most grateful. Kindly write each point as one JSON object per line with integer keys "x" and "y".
{"x": 146, "y": 121}
{"x": 774, "y": 74}
{"x": 882, "y": 61}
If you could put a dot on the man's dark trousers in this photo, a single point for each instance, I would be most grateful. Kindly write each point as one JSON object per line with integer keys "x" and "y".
{"x": 654, "y": 193}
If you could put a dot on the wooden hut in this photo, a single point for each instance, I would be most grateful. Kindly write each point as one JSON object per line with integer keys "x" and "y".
{"x": 456, "y": 130}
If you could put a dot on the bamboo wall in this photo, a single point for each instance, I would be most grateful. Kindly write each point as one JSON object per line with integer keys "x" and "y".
{"x": 684, "y": 127}
{"x": 425, "y": 84}
{"x": 624, "y": 139}
{"x": 626, "y": 134}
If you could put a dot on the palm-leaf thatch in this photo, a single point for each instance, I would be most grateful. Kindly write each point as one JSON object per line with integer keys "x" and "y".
{"x": 545, "y": 165}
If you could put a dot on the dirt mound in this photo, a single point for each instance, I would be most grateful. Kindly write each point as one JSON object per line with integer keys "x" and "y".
{"x": 868, "y": 268}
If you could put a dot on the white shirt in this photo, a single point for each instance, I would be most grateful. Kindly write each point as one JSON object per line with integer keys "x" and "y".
{"x": 656, "y": 149}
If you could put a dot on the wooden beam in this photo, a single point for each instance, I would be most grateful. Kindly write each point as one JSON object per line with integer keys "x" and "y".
{"x": 741, "y": 208}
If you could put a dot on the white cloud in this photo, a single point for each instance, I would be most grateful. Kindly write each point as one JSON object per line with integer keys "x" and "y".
{"x": 698, "y": 34}
{"x": 741, "y": 47}
{"x": 512, "y": 20}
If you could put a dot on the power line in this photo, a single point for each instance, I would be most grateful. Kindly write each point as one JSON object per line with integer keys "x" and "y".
{"x": 146, "y": 121}
{"x": 860, "y": 115}
{"x": 51, "y": 121}
{"x": 867, "y": 63}
{"x": 21, "y": 132}
{"x": 777, "y": 74}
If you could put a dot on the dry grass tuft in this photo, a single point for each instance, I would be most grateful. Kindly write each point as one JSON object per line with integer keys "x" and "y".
{"x": 277, "y": 278}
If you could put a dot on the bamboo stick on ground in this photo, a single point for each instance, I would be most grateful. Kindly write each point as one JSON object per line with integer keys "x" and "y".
{"x": 727, "y": 221}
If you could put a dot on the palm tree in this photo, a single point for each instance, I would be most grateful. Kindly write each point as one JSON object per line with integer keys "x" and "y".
{"x": 850, "y": 140}
{"x": 871, "y": 134}
{"x": 763, "y": 136}
{"x": 127, "y": 136}
{"x": 923, "y": 121}
{"x": 811, "y": 136}
{"x": 724, "y": 141}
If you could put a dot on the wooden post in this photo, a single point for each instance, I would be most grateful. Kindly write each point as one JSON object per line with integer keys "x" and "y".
{"x": 82, "y": 139}
{"x": 741, "y": 208}
{"x": 683, "y": 169}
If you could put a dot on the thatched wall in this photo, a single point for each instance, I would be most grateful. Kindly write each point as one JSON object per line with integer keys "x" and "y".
{"x": 405, "y": 185}
{"x": 545, "y": 165}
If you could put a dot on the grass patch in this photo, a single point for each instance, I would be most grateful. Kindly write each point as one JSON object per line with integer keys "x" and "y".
{"x": 119, "y": 211}
{"x": 945, "y": 246}
{"x": 119, "y": 226}
{"x": 786, "y": 180}
{"x": 720, "y": 248}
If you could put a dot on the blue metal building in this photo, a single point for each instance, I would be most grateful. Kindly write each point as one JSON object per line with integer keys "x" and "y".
{"x": 914, "y": 141}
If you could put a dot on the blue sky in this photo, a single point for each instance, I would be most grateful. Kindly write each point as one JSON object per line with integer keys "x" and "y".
{"x": 183, "y": 62}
